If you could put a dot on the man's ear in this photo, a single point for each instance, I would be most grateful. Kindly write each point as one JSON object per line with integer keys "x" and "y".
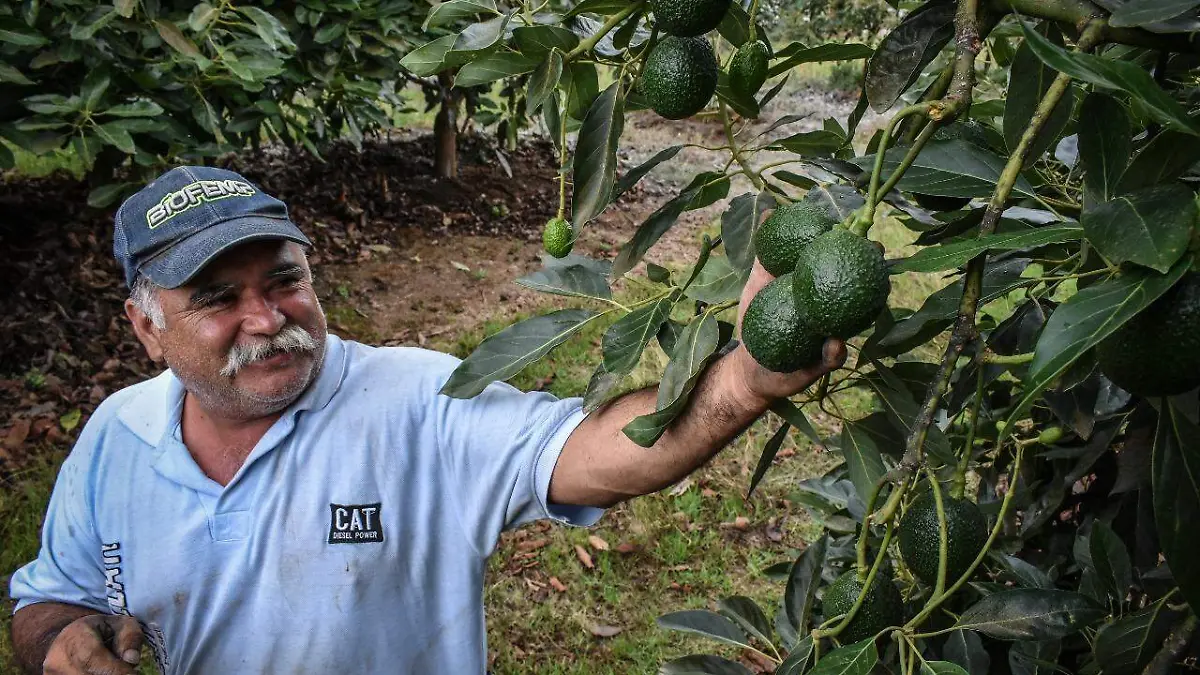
{"x": 147, "y": 333}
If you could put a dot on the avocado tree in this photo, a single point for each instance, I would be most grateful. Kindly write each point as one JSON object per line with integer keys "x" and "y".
{"x": 1020, "y": 503}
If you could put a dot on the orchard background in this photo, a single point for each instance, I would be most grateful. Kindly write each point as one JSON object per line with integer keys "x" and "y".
{"x": 424, "y": 146}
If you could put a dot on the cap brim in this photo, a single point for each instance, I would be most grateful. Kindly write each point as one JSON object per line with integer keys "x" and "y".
{"x": 178, "y": 264}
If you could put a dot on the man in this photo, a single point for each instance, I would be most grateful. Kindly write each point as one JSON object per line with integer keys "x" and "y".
{"x": 281, "y": 500}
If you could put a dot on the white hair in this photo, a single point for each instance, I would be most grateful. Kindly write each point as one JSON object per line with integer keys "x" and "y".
{"x": 144, "y": 295}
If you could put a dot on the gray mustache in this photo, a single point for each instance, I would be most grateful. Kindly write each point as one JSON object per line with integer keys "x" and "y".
{"x": 291, "y": 338}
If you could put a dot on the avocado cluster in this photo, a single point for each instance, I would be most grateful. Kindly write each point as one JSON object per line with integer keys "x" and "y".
{"x": 920, "y": 537}
{"x": 838, "y": 279}
{"x": 882, "y": 607}
{"x": 1157, "y": 352}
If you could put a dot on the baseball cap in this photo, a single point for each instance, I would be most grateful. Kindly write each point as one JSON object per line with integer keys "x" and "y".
{"x": 173, "y": 227}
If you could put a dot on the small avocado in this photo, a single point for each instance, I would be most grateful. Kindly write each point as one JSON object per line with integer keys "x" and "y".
{"x": 1157, "y": 352}
{"x": 688, "y": 18}
{"x": 841, "y": 283}
{"x": 679, "y": 76}
{"x": 919, "y": 535}
{"x": 748, "y": 67}
{"x": 775, "y": 333}
{"x": 558, "y": 237}
{"x": 881, "y": 608}
{"x": 780, "y": 239}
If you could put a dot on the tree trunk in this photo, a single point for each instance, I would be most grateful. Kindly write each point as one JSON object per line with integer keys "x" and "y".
{"x": 445, "y": 131}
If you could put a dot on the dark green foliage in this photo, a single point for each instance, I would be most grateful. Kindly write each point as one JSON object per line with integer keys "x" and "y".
{"x": 1157, "y": 353}
{"x": 780, "y": 239}
{"x": 748, "y": 68}
{"x": 776, "y": 333}
{"x": 842, "y": 283}
{"x": 966, "y": 532}
{"x": 679, "y": 77}
{"x": 881, "y": 608}
{"x": 688, "y": 18}
{"x": 967, "y": 130}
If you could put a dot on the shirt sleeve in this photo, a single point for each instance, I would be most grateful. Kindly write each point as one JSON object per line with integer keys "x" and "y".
{"x": 499, "y": 450}
{"x": 68, "y": 568}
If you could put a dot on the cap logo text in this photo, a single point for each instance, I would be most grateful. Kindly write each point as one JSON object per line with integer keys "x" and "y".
{"x": 195, "y": 194}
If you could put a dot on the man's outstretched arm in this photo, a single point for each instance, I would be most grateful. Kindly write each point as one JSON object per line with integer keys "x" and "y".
{"x": 600, "y": 466}
{"x": 60, "y": 639}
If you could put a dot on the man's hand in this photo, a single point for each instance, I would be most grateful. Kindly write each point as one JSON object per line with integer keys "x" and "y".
{"x": 96, "y": 645}
{"x": 764, "y": 385}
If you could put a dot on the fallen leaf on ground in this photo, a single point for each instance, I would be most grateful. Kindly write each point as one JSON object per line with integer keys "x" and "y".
{"x": 626, "y": 547}
{"x": 531, "y": 544}
{"x": 17, "y": 433}
{"x": 603, "y": 631}
{"x": 584, "y": 556}
{"x": 598, "y": 543}
{"x": 558, "y": 585}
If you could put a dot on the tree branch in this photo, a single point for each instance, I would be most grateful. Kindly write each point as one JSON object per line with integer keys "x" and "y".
{"x": 1076, "y": 13}
{"x": 1173, "y": 648}
{"x": 613, "y": 22}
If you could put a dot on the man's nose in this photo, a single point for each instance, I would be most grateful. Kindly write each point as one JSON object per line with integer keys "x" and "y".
{"x": 262, "y": 316}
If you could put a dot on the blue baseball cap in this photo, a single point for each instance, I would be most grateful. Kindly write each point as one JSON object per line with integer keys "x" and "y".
{"x": 173, "y": 227}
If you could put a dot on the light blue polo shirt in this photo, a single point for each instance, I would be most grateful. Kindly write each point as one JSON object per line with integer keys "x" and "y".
{"x": 353, "y": 539}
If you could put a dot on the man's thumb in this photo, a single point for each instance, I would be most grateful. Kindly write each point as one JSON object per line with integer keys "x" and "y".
{"x": 127, "y": 643}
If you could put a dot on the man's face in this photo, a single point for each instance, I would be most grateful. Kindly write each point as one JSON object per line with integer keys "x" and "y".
{"x": 247, "y": 335}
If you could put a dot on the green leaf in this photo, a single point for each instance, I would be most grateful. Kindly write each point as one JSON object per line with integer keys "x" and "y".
{"x": 494, "y": 66}
{"x": 768, "y": 455}
{"x": 855, "y": 659}
{"x": 905, "y": 51}
{"x": 839, "y": 201}
{"x": 966, "y": 649}
{"x": 1126, "y": 645}
{"x": 817, "y": 143}
{"x": 626, "y": 339}
{"x": 582, "y": 84}
{"x": 506, "y": 353}
{"x": 795, "y": 416}
{"x": 1166, "y": 157}
{"x": 93, "y": 88}
{"x": 902, "y": 410}
{"x": 21, "y": 36}
{"x": 7, "y": 160}
{"x": 1110, "y": 561}
{"x": 268, "y": 28}
{"x": 703, "y": 664}
{"x": 71, "y": 420}
{"x": 447, "y": 13}
{"x": 543, "y": 81}
{"x": 171, "y": 34}
{"x": 1175, "y": 474}
{"x": 483, "y": 35}
{"x": 796, "y": 54}
{"x": 657, "y": 224}
{"x": 1142, "y": 12}
{"x": 1104, "y": 144}
{"x": 1124, "y": 76}
{"x": 717, "y": 281}
{"x": 202, "y": 15}
{"x": 429, "y": 58}
{"x": 941, "y": 668}
{"x": 956, "y": 254}
{"x": 705, "y": 624}
{"x": 1149, "y": 227}
{"x": 863, "y": 460}
{"x": 748, "y": 615}
{"x": 117, "y": 137}
{"x": 1083, "y": 321}
{"x": 134, "y": 109}
{"x": 125, "y": 7}
{"x": 949, "y": 169}
{"x": 738, "y": 224}
{"x": 1027, "y": 575}
{"x": 635, "y": 174}
{"x": 87, "y": 28}
{"x": 541, "y": 40}
{"x": 573, "y": 276}
{"x": 800, "y": 594}
{"x": 600, "y": 388}
{"x": 1030, "y": 614}
{"x": 602, "y": 7}
{"x": 107, "y": 195}
{"x": 11, "y": 74}
{"x": 595, "y": 163}
{"x": 797, "y": 660}
{"x": 693, "y": 351}
{"x": 1028, "y": 81}
{"x": 744, "y": 105}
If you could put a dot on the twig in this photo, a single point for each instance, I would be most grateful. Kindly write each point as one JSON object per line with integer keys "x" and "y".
{"x": 613, "y": 21}
{"x": 1173, "y": 648}
{"x": 754, "y": 176}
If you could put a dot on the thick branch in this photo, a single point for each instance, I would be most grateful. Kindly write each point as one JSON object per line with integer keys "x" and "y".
{"x": 967, "y": 42}
{"x": 964, "y": 327}
{"x": 1173, "y": 648}
{"x": 1076, "y": 13}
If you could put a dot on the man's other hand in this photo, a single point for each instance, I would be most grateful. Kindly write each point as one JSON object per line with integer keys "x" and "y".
{"x": 96, "y": 645}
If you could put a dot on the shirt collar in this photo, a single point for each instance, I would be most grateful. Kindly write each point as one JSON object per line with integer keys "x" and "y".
{"x": 155, "y": 409}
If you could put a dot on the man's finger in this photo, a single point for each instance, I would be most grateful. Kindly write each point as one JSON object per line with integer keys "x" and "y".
{"x": 833, "y": 354}
{"x": 127, "y": 643}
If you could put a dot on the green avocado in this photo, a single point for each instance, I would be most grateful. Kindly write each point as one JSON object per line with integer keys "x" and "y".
{"x": 558, "y": 237}
{"x": 881, "y": 608}
{"x": 775, "y": 333}
{"x": 748, "y": 68}
{"x": 688, "y": 18}
{"x": 679, "y": 77}
{"x": 841, "y": 283}
{"x": 966, "y": 533}
{"x": 780, "y": 239}
{"x": 1157, "y": 352}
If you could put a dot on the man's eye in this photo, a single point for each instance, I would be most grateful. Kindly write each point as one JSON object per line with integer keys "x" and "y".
{"x": 217, "y": 300}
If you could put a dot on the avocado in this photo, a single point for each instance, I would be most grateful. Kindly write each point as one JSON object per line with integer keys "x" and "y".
{"x": 748, "y": 68}
{"x": 966, "y": 533}
{"x": 967, "y": 130}
{"x": 679, "y": 76}
{"x": 558, "y": 237}
{"x": 688, "y": 18}
{"x": 780, "y": 239}
{"x": 881, "y": 608}
{"x": 1157, "y": 352}
{"x": 775, "y": 333}
{"x": 841, "y": 283}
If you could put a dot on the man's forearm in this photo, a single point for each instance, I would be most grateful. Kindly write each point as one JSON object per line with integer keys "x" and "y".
{"x": 35, "y": 627}
{"x": 600, "y": 466}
